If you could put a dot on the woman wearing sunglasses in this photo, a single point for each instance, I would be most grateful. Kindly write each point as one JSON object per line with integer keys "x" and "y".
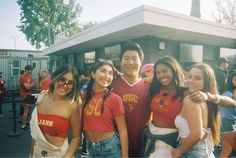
{"x": 58, "y": 111}
{"x": 104, "y": 114}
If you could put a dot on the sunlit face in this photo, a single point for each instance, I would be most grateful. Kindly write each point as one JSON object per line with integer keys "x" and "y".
{"x": 64, "y": 84}
{"x": 103, "y": 77}
{"x": 131, "y": 63}
{"x": 195, "y": 80}
{"x": 234, "y": 81}
{"x": 164, "y": 74}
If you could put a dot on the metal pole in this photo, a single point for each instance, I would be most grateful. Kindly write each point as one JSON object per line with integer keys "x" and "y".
{"x": 14, "y": 38}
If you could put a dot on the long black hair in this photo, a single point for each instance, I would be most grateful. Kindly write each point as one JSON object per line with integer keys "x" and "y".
{"x": 178, "y": 76}
{"x": 89, "y": 90}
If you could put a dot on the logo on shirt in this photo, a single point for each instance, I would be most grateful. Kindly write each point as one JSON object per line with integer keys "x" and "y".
{"x": 93, "y": 107}
{"x": 45, "y": 123}
{"x": 129, "y": 101}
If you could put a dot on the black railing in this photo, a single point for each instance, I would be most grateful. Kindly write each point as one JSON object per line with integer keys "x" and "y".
{"x": 12, "y": 97}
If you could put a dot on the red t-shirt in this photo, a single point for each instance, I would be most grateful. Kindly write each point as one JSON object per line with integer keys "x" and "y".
{"x": 93, "y": 120}
{"x": 44, "y": 85}
{"x": 25, "y": 79}
{"x": 136, "y": 100}
{"x": 164, "y": 108}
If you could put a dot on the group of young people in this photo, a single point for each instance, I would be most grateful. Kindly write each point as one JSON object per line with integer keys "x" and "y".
{"x": 115, "y": 112}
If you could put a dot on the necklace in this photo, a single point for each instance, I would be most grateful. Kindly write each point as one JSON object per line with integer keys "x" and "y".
{"x": 163, "y": 99}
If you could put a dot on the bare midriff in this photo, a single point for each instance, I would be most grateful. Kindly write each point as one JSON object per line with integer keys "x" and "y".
{"x": 57, "y": 141}
{"x": 94, "y": 136}
{"x": 158, "y": 123}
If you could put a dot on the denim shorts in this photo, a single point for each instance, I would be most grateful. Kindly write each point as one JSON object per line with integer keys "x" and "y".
{"x": 228, "y": 125}
{"x": 200, "y": 150}
{"x": 109, "y": 147}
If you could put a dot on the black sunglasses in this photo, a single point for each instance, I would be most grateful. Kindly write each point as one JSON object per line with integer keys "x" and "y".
{"x": 62, "y": 81}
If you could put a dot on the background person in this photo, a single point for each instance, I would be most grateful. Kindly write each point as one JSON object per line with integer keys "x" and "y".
{"x": 147, "y": 70}
{"x": 103, "y": 112}
{"x": 228, "y": 114}
{"x": 58, "y": 111}
{"x": 26, "y": 84}
{"x": 84, "y": 78}
{"x": 44, "y": 78}
{"x": 221, "y": 74}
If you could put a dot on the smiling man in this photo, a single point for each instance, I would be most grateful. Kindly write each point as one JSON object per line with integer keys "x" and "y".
{"x": 134, "y": 92}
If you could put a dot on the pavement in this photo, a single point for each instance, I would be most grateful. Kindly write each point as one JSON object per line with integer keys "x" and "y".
{"x": 16, "y": 143}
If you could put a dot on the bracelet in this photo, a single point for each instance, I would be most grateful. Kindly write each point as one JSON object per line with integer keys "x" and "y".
{"x": 217, "y": 99}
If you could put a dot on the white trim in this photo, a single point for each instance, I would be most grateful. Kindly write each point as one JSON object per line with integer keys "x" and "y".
{"x": 131, "y": 85}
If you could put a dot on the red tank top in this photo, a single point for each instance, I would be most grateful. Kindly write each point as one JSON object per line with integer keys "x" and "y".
{"x": 53, "y": 125}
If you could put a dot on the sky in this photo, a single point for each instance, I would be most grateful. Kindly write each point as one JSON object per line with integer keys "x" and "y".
{"x": 93, "y": 10}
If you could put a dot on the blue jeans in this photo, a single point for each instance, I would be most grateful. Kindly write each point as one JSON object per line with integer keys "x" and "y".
{"x": 109, "y": 147}
{"x": 228, "y": 125}
{"x": 200, "y": 150}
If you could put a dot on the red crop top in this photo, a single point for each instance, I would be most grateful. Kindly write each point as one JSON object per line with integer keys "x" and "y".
{"x": 95, "y": 121}
{"x": 53, "y": 125}
{"x": 164, "y": 108}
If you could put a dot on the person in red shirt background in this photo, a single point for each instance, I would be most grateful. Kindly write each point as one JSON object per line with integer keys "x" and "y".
{"x": 147, "y": 70}
{"x": 44, "y": 79}
{"x": 26, "y": 84}
{"x": 104, "y": 114}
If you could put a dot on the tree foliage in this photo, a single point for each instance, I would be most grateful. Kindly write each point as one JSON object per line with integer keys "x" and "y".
{"x": 225, "y": 12}
{"x": 42, "y": 20}
{"x": 88, "y": 25}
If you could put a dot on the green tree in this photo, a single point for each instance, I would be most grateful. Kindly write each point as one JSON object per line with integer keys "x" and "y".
{"x": 89, "y": 25}
{"x": 195, "y": 8}
{"x": 42, "y": 20}
{"x": 225, "y": 12}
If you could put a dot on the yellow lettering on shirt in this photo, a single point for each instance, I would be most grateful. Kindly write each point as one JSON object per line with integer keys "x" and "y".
{"x": 93, "y": 107}
{"x": 130, "y": 98}
{"x": 45, "y": 123}
{"x": 129, "y": 101}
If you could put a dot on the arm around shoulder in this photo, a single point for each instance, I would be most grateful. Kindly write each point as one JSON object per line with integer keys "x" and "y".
{"x": 221, "y": 100}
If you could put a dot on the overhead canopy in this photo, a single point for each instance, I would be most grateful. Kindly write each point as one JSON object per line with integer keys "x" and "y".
{"x": 148, "y": 21}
